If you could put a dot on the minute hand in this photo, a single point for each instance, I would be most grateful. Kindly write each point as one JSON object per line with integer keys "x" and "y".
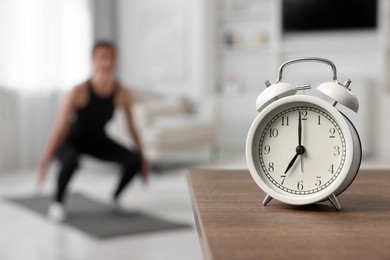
{"x": 299, "y": 130}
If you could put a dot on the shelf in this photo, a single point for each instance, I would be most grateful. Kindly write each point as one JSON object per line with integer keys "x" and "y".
{"x": 236, "y": 51}
{"x": 245, "y": 17}
{"x": 231, "y": 8}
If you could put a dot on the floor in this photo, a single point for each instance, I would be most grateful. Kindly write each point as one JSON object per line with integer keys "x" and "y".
{"x": 24, "y": 235}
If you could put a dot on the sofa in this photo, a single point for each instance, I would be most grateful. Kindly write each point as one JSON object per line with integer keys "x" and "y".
{"x": 169, "y": 127}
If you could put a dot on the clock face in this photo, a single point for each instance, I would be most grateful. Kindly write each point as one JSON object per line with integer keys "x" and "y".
{"x": 307, "y": 167}
{"x": 299, "y": 149}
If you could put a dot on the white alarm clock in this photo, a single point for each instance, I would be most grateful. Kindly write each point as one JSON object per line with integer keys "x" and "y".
{"x": 301, "y": 149}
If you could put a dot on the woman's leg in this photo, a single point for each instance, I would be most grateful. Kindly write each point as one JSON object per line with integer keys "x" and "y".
{"x": 109, "y": 150}
{"x": 131, "y": 164}
{"x": 68, "y": 157}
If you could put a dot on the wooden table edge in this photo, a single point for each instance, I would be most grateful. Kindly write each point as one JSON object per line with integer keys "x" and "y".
{"x": 198, "y": 221}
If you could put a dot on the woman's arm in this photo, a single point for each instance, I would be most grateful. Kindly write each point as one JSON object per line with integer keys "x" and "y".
{"x": 128, "y": 107}
{"x": 61, "y": 128}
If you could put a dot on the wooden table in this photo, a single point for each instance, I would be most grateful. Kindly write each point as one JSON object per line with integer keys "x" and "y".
{"x": 232, "y": 223}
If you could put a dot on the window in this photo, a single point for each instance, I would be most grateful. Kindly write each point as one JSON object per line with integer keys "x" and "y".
{"x": 44, "y": 44}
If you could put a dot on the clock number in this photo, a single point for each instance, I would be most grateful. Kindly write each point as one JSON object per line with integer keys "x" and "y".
{"x": 284, "y": 178}
{"x": 273, "y": 132}
{"x": 319, "y": 120}
{"x": 271, "y": 167}
{"x": 332, "y": 132}
{"x": 285, "y": 121}
{"x": 318, "y": 181}
{"x": 267, "y": 149}
{"x": 300, "y": 185}
{"x": 303, "y": 115}
{"x": 336, "y": 151}
{"x": 331, "y": 169}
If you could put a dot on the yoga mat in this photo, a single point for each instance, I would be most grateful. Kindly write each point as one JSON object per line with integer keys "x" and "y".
{"x": 98, "y": 219}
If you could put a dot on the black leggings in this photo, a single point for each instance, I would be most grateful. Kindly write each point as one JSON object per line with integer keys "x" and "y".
{"x": 102, "y": 148}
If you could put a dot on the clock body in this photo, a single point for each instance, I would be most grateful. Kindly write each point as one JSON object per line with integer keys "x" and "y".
{"x": 301, "y": 150}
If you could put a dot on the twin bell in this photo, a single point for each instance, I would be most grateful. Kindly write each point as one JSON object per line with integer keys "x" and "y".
{"x": 338, "y": 92}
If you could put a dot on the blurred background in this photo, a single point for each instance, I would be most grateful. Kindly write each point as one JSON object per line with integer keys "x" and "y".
{"x": 196, "y": 68}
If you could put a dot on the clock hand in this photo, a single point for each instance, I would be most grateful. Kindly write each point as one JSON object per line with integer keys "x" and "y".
{"x": 299, "y": 130}
{"x": 291, "y": 163}
{"x": 300, "y": 150}
{"x": 300, "y": 138}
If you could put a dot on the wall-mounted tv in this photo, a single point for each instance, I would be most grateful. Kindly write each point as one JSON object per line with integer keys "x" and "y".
{"x": 329, "y": 15}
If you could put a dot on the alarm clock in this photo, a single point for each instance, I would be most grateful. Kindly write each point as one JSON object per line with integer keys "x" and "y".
{"x": 301, "y": 149}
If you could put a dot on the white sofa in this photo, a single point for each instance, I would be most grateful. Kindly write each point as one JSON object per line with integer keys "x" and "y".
{"x": 169, "y": 127}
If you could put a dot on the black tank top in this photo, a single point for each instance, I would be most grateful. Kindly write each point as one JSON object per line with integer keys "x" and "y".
{"x": 89, "y": 121}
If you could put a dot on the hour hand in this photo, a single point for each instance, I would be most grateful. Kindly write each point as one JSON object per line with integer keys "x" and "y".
{"x": 291, "y": 163}
{"x": 300, "y": 150}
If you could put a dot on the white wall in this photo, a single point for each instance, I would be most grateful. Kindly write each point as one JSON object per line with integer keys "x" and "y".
{"x": 104, "y": 20}
{"x": 164, "y": 46}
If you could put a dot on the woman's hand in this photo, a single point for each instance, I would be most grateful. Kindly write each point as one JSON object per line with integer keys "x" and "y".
{"x": 42, "y": 169}
{"x": 145, "y": 171}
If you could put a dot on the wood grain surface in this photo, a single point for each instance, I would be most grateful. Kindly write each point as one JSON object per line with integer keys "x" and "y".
{"x": 232, "y": 223}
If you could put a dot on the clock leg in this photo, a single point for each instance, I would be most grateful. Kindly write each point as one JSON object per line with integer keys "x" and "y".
{"x": 266, "y": 200}
{"x": 332, "y": 198}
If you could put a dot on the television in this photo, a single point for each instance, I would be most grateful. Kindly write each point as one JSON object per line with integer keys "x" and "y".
{"x": 328, "y": 15}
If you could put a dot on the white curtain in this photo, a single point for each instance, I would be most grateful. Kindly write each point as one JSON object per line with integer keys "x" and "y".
{"x": 44, "y": 51}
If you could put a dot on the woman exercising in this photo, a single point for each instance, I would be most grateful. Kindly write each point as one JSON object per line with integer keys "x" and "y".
{"x": 80, "y": 129}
